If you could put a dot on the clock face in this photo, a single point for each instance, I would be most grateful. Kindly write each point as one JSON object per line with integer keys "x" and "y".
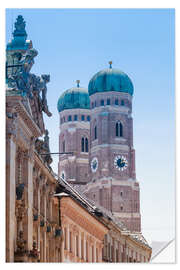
{"x": 121, "y": 163}
{"x": 94, "y": 164}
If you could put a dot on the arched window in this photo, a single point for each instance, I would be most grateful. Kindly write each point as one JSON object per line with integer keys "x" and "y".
{"x": 108, "y": 101}
{"x": 86, "y": 145}
{"x": 82, "y": 145}
{"x": 119, "y": 129}
{"x": 82, "y": 117}
{"x": 63, "y": 146}
{"x": 69, "y": 118}
{"x": 95, "y": 132}
{"x": 88, "y": 118}
{"x": 102, "y": 102}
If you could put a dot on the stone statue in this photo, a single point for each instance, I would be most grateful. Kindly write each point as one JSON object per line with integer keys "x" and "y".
{"x": 43, "y": 81}
{"x": 42, "y": 147}
{"x": 47, "y": 157}
{"x": 22, "y": 79}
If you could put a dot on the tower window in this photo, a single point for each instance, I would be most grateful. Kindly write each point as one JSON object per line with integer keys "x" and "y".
{"x": 69, "y": 118}
{"x": 116, "y": 101}
{"x": 119, "y": 129}
{"x": 108, "y": 101}
{"x": 82, "y": 117}
{"x": 75, "y": 117}
{"x": 82, "y": 145}
{"x": 88, "y": 118}
{"x": 95, "y": 132}
{"x": 86, "y": 145}
{"x": 63, "y": 146}
{"x": 122, "y": 102}
{"x": 102, "y": 102}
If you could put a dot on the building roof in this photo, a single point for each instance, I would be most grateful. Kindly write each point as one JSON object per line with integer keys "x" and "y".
{"x": 74, "y": 98}
{"x": 110, "y": 79}
{"x": 99, "y": 212}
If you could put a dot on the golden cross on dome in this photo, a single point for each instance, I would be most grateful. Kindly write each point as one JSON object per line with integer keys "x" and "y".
{"x": 78, "y": 81}
{"x": 110, "y": 64}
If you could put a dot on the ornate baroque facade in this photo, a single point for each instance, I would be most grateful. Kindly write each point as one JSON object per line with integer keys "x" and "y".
{"x": 47, "y": 219}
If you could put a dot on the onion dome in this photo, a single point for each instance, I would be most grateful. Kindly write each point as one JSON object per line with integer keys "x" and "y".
{"x": 110, "y": 79}
{"x": 74, "y": 98}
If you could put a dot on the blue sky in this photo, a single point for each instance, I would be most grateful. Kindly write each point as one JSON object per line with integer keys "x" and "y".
{"x": 75, "y": 44}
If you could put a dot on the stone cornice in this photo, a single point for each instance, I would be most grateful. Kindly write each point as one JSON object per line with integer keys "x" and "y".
{"x": 16, "y": 102}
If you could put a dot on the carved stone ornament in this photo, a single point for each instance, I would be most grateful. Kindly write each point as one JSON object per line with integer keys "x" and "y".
{"x": 34, "y": 251}
{"x": 11, "y": 124}
{"x": 20, "y": 210}
{"x": 19, "y": 191}
{"x": 21, "y": 243}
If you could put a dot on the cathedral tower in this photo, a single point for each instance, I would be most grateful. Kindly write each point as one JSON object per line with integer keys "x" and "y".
{"x": 74, "y": 111}
{"x": 113, "y": 182}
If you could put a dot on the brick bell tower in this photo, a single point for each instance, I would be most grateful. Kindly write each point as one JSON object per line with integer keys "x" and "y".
{"x": 113, "y": 182}
{"x": 74, "y": 110}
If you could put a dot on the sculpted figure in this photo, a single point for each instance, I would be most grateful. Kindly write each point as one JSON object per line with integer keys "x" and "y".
{"x": 44, "y": 80}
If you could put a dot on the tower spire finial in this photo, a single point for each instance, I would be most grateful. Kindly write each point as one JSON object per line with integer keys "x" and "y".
{"x": 110, "y": 64}
{"x": 78, "y": 81}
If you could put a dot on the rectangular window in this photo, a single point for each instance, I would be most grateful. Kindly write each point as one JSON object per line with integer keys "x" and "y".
{"x": 75, "y": 117}
{"x": 97, "y": 255}
{"x": 87, "y": 252}
{"x": 82, "y": 249}
{"x": 65, "y": 238}
{"x": 77, "y": 245}
{"x": 70, "y": 241}
{"x": 108, "y": 101}
{"x": 92, "y": 253}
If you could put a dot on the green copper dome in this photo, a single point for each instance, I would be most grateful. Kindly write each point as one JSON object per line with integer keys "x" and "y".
{"x": 74, "y": 98}
{"x": 110, "y": 79}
